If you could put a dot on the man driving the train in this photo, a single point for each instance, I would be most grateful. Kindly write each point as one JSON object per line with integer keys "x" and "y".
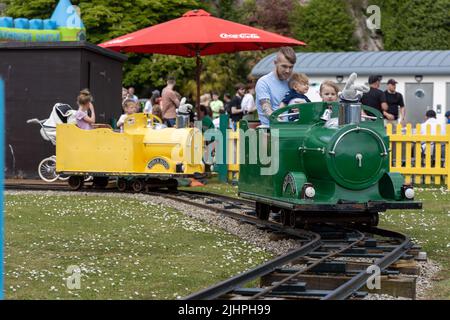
{"x": 271, "y": 88}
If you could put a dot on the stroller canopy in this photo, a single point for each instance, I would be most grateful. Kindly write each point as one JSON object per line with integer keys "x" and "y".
{"x": 61, "y": 113}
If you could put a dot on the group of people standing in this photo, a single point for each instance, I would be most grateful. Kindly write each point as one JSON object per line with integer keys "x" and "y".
{"x": 389, "y": 102}
{"x": 239, "y": 106}
{"x": 165, "y": 104}
{"x": 161, "y": 104}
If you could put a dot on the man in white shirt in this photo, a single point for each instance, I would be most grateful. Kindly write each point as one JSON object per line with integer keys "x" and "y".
{"x": 132, "y": 95}
{"x": 432, "y": 122}
{"x": 248, "y": 103}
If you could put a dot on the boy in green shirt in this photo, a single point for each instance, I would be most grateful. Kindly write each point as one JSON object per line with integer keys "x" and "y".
{"x": 216, "y": 105}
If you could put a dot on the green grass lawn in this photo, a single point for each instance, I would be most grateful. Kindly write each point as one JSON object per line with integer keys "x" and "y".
{"x": 429, "y": 227}
{"x": 126, "y": 249}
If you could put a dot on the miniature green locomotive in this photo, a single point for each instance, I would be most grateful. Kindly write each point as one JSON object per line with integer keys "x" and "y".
{"x": 322, "y": 169}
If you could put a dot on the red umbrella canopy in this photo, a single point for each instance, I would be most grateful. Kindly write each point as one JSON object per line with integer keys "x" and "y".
{"x": 197, "y": 33}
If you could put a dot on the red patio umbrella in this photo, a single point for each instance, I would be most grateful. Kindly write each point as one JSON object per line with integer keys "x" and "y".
{"x": 197, "y": 34}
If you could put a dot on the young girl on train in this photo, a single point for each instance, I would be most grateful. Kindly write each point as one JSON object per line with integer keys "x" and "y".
{"x": 84, "y": 100}
{"x": 329, "y": 91}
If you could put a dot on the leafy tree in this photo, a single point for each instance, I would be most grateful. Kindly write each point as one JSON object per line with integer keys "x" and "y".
{"x": 151, "y": 71}
{"x": 219, "y": 72}
{"x": 414, "y": 24}
{"x": 226, "y": 9}
{"x": 324, "y": 25}
{"x": 41, "y": 9}
{"x": 2, "y": 9}
{"x": 107, "y": 19}
{"x": 273, "y": 15}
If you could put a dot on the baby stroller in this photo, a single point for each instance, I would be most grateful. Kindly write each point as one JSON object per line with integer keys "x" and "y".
{"x": 61, "y": 113}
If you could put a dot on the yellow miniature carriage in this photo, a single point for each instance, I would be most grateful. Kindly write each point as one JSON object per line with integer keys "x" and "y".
{"x": 146, "y": 154}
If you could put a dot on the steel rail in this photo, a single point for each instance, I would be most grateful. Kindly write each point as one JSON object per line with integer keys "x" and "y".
{"x": 63, "y": 187}
{"x": 238, "y": 216}
{"x": 317, "y": 262}
{"x": 228, "y": 285}
{"x": 358, "y": 281}
{"x": 219, "y": 196}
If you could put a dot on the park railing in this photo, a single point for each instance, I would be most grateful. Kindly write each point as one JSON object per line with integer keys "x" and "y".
{"x": 233, "y": 154}
{"x": 421, "y": 158}
{"x": 228, "y": 170}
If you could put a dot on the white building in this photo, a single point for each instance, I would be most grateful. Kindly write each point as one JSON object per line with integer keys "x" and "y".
{"x": 423, "y": 76}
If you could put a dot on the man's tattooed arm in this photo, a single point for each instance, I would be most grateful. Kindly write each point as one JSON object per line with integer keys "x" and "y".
{"x": 266, "y": 106}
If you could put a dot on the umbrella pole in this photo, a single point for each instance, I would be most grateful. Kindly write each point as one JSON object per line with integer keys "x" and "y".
{"x": 199, "y": 67}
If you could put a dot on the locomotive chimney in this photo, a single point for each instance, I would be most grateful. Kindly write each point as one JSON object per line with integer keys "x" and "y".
{"x": 349, "y": 113}
{"x": 350, "y": 106}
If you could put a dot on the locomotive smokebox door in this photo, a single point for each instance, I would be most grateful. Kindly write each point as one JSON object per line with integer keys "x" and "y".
{"x": 357, "y": 158}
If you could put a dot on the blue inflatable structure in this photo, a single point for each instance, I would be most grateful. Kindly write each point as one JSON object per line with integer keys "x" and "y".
{"x": 65, "y": 24}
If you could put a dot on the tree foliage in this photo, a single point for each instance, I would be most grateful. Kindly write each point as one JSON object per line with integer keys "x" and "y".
{"x": 39, "y": 9}
{"x": 414, "y": 24}
{"x": 107, "y": 19}
{"x": 273, "y": 15}
{"x": 324, "y": 25}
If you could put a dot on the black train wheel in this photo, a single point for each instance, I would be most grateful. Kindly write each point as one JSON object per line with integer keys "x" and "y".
{"x": 374, "y": 219}
{"x": 292, "y": 219}
{"x": 76, "y": 182}
{"x": 262, "y": 211}
{"x": 122, "y": 184}
{"x": 286, "y": 217}
{"x": 100, "y": 182}
{"x": 138, "y": 185}
{"x": 172, "y": 185}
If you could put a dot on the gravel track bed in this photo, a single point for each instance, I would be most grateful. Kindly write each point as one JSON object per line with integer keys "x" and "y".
{"x": 424, "y": 282}
{"x": 261, "y": 238}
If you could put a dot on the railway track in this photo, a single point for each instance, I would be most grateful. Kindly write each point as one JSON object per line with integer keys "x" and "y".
{"x": 297, "y": 275}
{"x": 323, "y": 255}
{"x": 332, "y": 262}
